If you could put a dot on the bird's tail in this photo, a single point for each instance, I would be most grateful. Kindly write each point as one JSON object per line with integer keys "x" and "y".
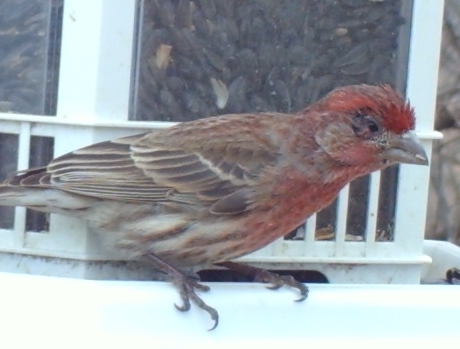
{"x": 43, "y": 199}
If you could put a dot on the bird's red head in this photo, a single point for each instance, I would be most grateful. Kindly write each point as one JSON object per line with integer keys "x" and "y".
{"x": 366, "y": 126}
{"x": 380, "y": 101}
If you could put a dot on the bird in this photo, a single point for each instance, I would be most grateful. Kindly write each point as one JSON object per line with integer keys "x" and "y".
{"x": 205, "y": 192}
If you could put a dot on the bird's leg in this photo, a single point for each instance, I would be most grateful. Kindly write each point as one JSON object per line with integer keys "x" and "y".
{"x": 186, "y": 286}
{"x": 266, "y": 276}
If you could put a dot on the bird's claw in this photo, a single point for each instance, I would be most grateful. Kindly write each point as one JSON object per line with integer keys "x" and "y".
{"x": 186, "y": 286}
{"x": 277, "y": 281}
{"x": 261, "y": 275}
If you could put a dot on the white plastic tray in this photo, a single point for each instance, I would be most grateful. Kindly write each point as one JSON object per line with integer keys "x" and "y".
{"x": 61, "y": 313}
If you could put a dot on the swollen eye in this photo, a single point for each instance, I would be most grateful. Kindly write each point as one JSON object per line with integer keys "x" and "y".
{"x": 365, "y": 126}
{"x": 373, "y": 127}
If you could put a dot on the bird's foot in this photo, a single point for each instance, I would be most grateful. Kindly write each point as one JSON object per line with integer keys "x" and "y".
{"x": 186, "y": 285}
{"x": 262, "y": 275}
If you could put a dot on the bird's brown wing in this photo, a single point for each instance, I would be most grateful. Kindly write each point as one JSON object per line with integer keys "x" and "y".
{"x": 155, "y": 167}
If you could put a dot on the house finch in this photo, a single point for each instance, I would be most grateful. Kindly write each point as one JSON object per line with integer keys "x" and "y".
{"x": 208, "y": 191}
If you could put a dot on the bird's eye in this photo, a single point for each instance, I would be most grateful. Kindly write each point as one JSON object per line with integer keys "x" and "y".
{"x": 366, "y": 126}
{"x": 373, "y": 127}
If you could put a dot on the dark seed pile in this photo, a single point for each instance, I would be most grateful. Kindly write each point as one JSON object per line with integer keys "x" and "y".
{"x": 28, "y": 55}
{"x": 206, "y": 57}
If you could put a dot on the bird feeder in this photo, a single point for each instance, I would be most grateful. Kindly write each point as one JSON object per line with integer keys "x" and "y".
{"x": 79, "y": 72}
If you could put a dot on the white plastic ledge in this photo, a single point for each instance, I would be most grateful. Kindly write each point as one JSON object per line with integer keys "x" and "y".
{"x": 55, "y": 312}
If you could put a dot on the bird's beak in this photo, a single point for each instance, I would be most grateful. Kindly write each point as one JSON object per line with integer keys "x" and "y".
{"x": 406, "y": 149}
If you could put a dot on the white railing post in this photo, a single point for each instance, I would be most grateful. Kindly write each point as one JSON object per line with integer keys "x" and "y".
{"x": 96, "y": 56}
{"x": 94, "y": 86}
{"x": 422, "y": 79}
